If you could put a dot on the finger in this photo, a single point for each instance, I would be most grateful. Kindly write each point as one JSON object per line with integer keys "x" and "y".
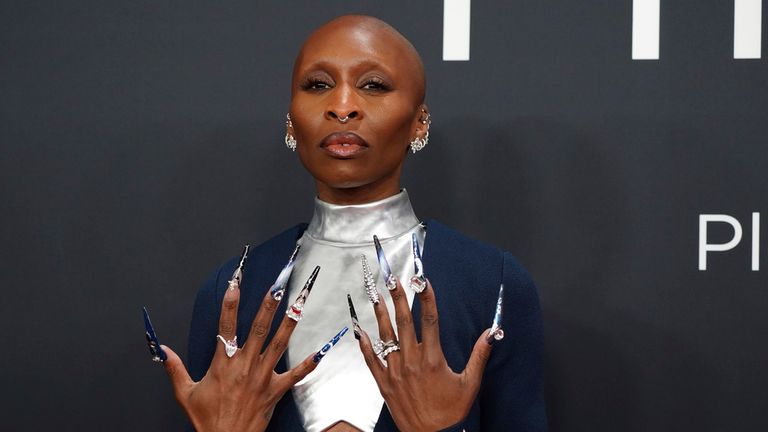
{"x": 279, "y": 343}
{"x": 430, "y": 329}
{"x": 377, "y": 368}
{"x": 228, "y": 319}
{"x": 292, "y": 316}
{"x": 289, "y": 378}
{"x": 386, "y": 332}
{"x": 180, "y": 380}
{"x": 260, "y": 326}
{"x": 473, "y": 373}
{"x": 404, "y": 320}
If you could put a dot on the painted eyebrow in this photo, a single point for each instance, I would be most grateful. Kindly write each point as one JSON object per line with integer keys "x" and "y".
{"x": 330, "y": 65}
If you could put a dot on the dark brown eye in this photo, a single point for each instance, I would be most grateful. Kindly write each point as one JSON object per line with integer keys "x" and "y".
{"x": 375, "y": 84}
{"x": 315, "y": 84}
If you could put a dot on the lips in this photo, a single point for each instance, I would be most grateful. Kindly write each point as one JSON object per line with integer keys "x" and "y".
{"x": 343, "y": 145}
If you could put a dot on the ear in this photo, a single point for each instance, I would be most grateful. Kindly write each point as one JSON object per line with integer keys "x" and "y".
{"x": 421, "y": 122}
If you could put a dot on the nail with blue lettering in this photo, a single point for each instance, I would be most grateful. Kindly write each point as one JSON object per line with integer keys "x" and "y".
{"x": 418, "y": 280}
{"x": 369, "y": 282}
{"x": 496, "y": 333}
{"x": 158, "y": 355}
{"x": 278, "y": 288}
{"x": 356, "y": 329}
{"x": 295, "y": 310}
{"x": 327, "y": 347}
{"x": 237, "y": 275}
{"x": 390, "y": 280}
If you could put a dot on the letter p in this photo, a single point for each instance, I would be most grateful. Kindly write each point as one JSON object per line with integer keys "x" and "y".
{"x": 705, "y": 247}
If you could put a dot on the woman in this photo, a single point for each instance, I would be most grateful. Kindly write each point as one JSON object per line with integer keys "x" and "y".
{"x": 357, "y": 107}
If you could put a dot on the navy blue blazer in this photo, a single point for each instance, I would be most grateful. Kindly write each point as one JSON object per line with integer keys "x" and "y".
{"x": 465, "y": 275}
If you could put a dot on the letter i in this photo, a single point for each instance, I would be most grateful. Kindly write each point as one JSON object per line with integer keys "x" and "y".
{"x": 755, "y": 241}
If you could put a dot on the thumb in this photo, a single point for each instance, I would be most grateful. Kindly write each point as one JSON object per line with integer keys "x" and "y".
{"x": 303, "y": 369}
{"x": 288, "y": 379}
{"x": 177, "y": 372}
{"x": 473, "y": 373}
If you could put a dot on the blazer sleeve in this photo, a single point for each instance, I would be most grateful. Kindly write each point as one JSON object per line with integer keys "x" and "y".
{"x": 512, "y": 395}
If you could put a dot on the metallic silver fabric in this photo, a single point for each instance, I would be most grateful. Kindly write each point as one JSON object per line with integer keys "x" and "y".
{"x": 342, "y": 388}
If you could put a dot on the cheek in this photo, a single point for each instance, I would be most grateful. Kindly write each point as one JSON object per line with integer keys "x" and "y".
{"x": 307, "y": 117}
{"x": 393, "y": 128}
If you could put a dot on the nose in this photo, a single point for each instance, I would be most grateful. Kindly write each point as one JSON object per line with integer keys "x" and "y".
{"x": 342, "y": 105}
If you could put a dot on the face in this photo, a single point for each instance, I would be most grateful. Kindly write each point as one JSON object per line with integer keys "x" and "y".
{"x": 356, "y": 104}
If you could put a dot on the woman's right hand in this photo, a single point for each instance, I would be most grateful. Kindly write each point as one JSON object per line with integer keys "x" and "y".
{"x": 238, "y": 393}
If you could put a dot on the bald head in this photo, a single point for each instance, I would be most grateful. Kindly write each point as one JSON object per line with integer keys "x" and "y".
{"x": 377, "y": 35}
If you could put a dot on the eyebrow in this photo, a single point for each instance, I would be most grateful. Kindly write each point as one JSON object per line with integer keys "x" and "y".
{"x": 328, "y": 64}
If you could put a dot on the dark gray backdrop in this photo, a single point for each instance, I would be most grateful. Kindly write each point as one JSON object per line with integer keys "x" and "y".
{"x": 142, "y": 146}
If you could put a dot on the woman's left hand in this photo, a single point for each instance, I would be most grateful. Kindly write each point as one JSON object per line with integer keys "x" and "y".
{"x": 421, "y": 390}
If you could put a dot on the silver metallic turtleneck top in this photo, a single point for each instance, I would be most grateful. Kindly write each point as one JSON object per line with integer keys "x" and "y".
{"x": 342, "y": 388}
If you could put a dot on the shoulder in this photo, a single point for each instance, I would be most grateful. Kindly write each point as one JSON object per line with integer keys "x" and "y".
{"x": 467, "y": 255}
{"x": 467, "y": 274}
{"x": 448, "y": 235}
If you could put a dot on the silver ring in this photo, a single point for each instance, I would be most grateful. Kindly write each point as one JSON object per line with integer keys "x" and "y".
{"x": 389, "y": 350}
{"x": 230, "y": 346}
{"x": 382, "y": 349}
{"x": 343, "y": 119}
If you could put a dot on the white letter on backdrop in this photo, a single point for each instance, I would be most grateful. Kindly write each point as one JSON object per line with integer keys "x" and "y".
{"x": 456, "y": 14}
{"x": 645, "y": 29}
{"x": 747, "y": 26}
{"x": 705, "y": 247}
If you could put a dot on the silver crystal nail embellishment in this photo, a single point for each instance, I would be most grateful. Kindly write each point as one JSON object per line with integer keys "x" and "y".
{"x": 369, "y": 282}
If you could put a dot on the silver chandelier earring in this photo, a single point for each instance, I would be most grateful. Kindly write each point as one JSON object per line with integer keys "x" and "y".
{"x": 290, "y": 141}
{"x": 419, "y": 143}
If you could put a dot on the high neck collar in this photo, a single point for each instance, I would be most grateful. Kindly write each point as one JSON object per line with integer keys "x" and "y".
{"x": 356, "y": 224}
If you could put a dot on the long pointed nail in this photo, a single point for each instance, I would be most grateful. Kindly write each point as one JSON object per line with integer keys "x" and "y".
{"x": 369, "y": 282}
{"x": 331, "y": 343}
{"x": 389, "y": 279}
{"x": 295, "y": 311}
{"x": 356, "y": 329}
{"x": 237, "y": 275}
{"x": 278, "y": 288}
{"x": 418, "y": 281}
{"x": 158, "y": 355}
{"x": 496, "y": 333}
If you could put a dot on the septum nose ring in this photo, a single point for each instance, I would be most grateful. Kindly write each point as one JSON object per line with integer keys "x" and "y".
{"x": 343, "y": 120}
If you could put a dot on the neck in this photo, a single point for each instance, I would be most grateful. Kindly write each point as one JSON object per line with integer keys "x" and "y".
{"x": 357, "y": 195}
